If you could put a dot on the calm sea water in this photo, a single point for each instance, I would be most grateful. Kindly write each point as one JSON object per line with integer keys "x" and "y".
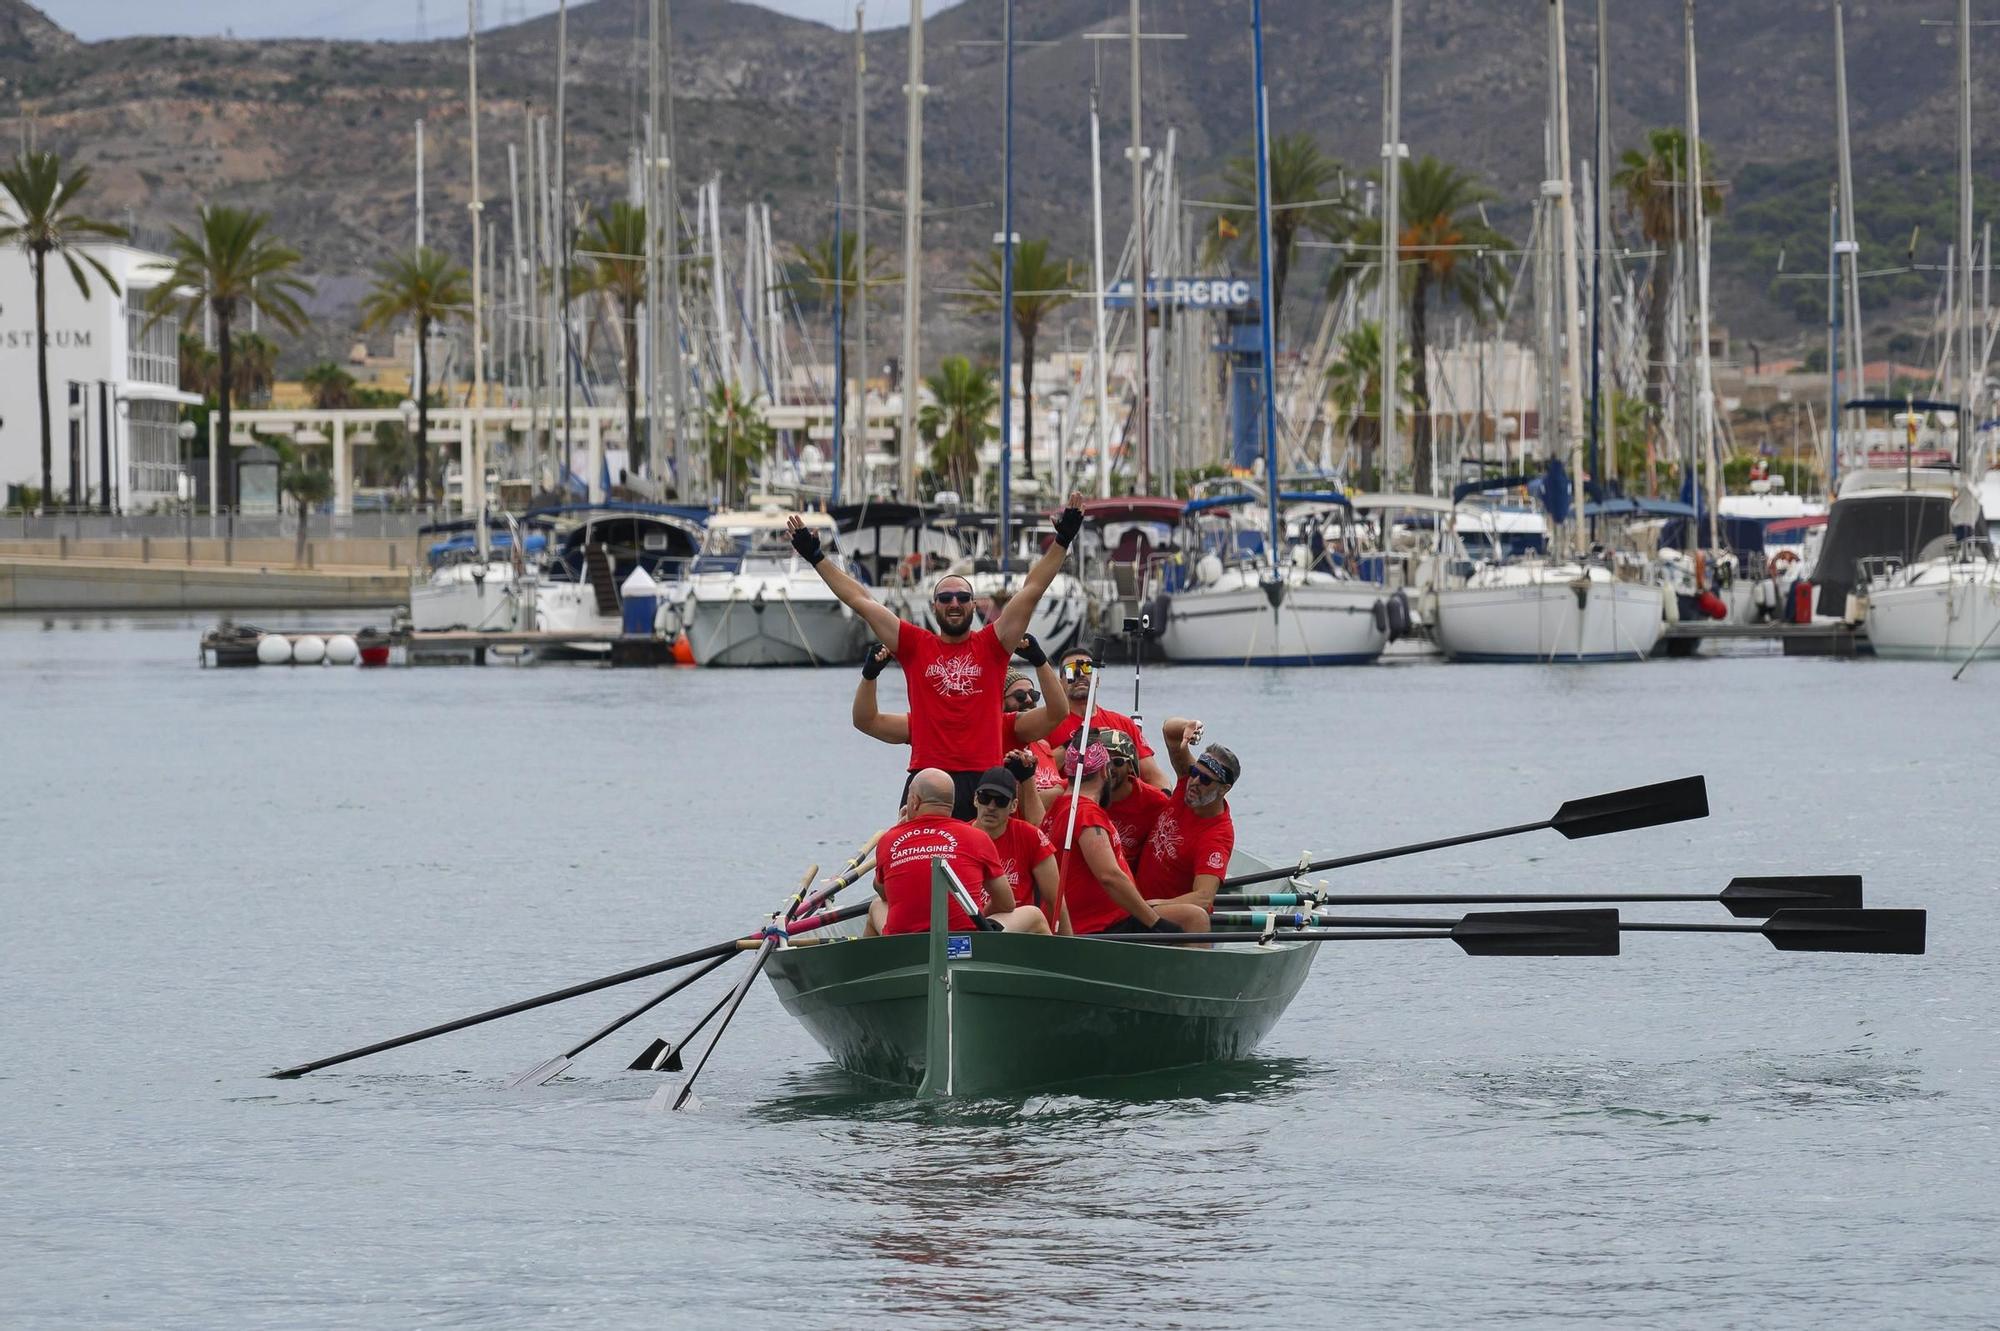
{"x": 208, "y": 874}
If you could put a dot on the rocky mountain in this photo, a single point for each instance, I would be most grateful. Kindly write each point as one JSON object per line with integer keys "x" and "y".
{"x": 320, "y": 133}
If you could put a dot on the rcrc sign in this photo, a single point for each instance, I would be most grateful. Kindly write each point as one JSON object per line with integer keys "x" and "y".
{"x": 1193, "y": 293}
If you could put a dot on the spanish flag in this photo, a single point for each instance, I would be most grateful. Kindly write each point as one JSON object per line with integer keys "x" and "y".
{"x": 1224, "y": 230}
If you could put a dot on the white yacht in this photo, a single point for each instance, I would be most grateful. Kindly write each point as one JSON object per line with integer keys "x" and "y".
{"x": 1547, "y": 610}
{"x": 1243, "y": 608}
{"x": 461, "y": 589}
{"x": 597, "y": 548}
{"x": 1944, "y": 607}
{"x": 751, "y": 600}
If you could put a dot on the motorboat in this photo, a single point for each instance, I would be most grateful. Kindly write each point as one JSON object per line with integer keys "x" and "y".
{"x": 752, "y": 600}
{"x": 1245, "y": 603}
{"x": 1945, "y": 606}
{"x": 597, "y": 548}
{"x": 464, "y": 587}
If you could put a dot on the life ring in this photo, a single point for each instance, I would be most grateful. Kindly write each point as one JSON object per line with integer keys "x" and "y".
{"x": 1782, "y": 562}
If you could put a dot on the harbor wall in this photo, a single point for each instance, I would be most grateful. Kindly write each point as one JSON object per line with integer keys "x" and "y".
{"x": 30, "y": 583}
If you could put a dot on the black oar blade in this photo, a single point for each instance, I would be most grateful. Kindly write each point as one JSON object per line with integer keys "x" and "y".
{"x": 1760, "y": 898}
{"x": 1628, "y": 810}
{"x": 1889, "y": 931}
{"x": 649, "y": 1058}
{"x": 1538, "y": 933}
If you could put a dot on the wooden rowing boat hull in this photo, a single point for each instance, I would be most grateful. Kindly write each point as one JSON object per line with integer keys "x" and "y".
{"x": 1024, "y": 1011}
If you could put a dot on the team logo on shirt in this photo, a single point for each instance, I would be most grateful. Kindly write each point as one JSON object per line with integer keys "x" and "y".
{"x": 955, "y": 676}
{"x": 1166, "y": 842}
{"x": 1218, "y": 861}
{"x": 1010, "y": 871}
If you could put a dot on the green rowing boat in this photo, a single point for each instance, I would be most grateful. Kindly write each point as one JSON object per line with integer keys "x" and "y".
{"x": 992, "y": 1013}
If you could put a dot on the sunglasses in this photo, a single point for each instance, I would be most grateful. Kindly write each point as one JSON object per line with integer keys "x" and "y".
{"x": 1117, "y": 761}
{"x": 953, "y": 598}
{"x": 1025, "y": 697}
{"x": 1078, "y": 670}
{"x": 1199, "y": 773}
{"x": 992, "y": 799}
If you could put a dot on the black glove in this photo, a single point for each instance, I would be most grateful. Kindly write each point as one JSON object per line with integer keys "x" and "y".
{"x": 875, "y": 662}
{"x": 806, "y": 541}
{"x": 1031, "y": 651}
{"x": 1067, "y": 526}
{"x": 987, "y": 926}
{"x": 1020, "y": 768}
{"x": 1163, "y": 925}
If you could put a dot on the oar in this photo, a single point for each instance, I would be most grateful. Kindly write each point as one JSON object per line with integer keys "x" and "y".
{"x": 1746, "y": 898}
{"x": 1794, "y": 930}
{"x": 550, "y": 1068}
{"x": 1619, "y": 811}
{"x": 849, "y": 871}
{"x": 774, "y": 934}
{"x": 660, "y": 1056}
{"x": 1523, "y": 933}
{"x": 726, "y": 948}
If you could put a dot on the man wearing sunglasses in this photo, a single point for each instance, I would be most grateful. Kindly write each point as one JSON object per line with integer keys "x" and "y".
{"x": 1132, "y": 805}
{"x": 1097, "y": 891}
{"x": 1029, "y": 713}
{"x": 954, "y": 676}
{"x": 1187, "y": 855}
{"x": 903, "y": 867}
{"x": 1077, "y": 666}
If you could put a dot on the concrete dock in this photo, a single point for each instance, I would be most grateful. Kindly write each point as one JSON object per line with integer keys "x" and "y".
{"x": 157, "y": 574}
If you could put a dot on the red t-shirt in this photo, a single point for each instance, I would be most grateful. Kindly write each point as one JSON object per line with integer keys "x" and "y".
{"x": 1183, "y": 846}
{"x": 1022, "y": 846}
{"x": 903, "y": 867}
{"x": 1101, "y": 719}
{"x": 1134, "y": 814}
{"x": 1090, "y": 907}
{"x": 955, "y": 697}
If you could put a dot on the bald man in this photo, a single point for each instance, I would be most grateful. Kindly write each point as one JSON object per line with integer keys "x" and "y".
{"x": 903, "y": 867}
{"x": 956, "y": 676}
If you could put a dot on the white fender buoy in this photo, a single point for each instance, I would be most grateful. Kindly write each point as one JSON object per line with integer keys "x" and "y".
{"x": 309, "y": 650}
{"x": 342, "y": 650}
{"x": 274, "y": 649}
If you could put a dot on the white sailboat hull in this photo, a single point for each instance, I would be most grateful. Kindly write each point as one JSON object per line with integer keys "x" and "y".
{"x": 775, "y": 621}
{"x": 1950, "y": 615}
{"x": 1567, "y": 619}
{"x": 1320, "y": 621}
{"x": 480, "y": 597}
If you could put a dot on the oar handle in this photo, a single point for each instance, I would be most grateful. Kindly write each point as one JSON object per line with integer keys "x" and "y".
{"x": 1314, "y": 936}
{"x": 1455, "y": 899}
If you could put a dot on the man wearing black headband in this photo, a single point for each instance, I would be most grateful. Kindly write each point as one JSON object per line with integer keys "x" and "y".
{"x": 956, "y": 675}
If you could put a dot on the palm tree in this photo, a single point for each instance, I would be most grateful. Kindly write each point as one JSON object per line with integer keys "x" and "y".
{"x": 1354, "y": 384}
{"x": 737, "y": 435}
{"x": 1307, "y": 195}
{"x": 331, "y": 385}
{"x": 428, "y": 288}
{"x": 253, "y": 368}
{"x": 814, "y": 276}
{"x": 198, "y": 373}
{"x": 616, "y": 265}
{"x": 43, "y": 223}
{"x": 228, "y": 264}
{"x": 1443, "y": 251}
{"x": 308, "y": 485}
{"x": 1649, "y": 180}
{"x": 1041, "y": 287}
{"x": 955, "y": 420}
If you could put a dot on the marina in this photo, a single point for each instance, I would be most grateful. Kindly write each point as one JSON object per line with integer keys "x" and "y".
{"x": 1341, "y": 679}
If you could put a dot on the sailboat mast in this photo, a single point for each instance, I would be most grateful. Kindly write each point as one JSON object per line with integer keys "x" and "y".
{"x": 1704, "y": 403}
{"x": 1392, "y": 266}
{"x": 913, "y": 241}
{"x": 1572, "y": 353}
{"x": 1099, "y": 350}
{"x": 475, "y": 470}
{"x": 857, "y": 446}
{"x": 560, "y": 203}
{"x": 1141, "y": 403}
{"x": 1267, "y": 336}
{"x": 1851, "y": 300}
{"x": 1007, "y": 287}
{"x": 1967, "y": 390}
{"x": 1604, "y": 450}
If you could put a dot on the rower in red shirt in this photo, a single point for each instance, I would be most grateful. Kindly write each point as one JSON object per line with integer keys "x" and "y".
{"x": 1098, "y": 893}
{"x": 1187, "y": 855}
{"x": 954, "y": 675}
{"x": 1077, "y": 665}
{"x": 1132, "y": 805}
{"x": 1026, "y": 856}
{"x": 903, "y": 867}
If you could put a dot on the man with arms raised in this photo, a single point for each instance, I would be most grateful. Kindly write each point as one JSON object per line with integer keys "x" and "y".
{"x": 954, "y": 676}
{"x": 1187, "y": 854}
{"x": 903, "y": 867}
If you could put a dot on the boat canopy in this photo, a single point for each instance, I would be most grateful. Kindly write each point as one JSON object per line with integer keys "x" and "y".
{"x": 1135, "y": 508}
{"x": 1463, "y": 489}
{"x": 1624, "y": 506}
{"x": 500, "y": 544}
{"x": 494, "y": 522}
{"x": 1209, "y": 503}
{"x": 879, "y": 513}
{"x": 1898, "y": 404}
{"x": 1415, "y": 503}
{"x": 684, "y": 512}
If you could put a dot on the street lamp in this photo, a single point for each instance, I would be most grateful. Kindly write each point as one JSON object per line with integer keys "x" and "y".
{"x": 184, "y": 434}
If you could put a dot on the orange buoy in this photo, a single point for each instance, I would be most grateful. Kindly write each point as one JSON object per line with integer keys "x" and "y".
{"x": 683, "y": 654}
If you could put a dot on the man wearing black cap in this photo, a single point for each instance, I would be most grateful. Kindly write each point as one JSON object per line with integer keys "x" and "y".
{"x": 1077, "y": 666}
{"x": 956, "y": 675}
{"x": 1187, "y": 856}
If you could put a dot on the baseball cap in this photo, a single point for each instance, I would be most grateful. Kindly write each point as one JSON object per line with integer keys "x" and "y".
{"x": 1220, "y": 763}
{"x": 1118, "y": 744}
{"x": 998, "y": 780}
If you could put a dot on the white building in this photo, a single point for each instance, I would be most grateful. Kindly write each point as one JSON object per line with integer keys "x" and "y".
{"x": 114, "y": 385}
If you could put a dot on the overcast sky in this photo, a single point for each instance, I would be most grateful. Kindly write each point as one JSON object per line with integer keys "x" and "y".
{"x": 394, "y": 20}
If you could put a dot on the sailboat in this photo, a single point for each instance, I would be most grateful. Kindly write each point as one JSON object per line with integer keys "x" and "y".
{"x": 1275, "y": 610}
